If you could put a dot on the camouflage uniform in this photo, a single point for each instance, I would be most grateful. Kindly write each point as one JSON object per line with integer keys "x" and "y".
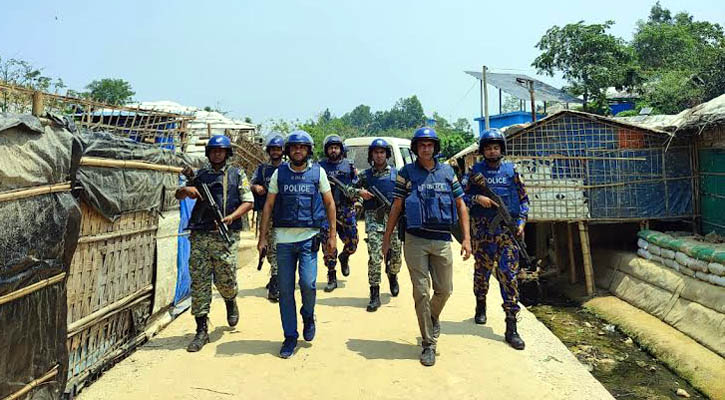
{"x": 375, "y": 222}
{"x": 211, "y": 259}
{"x": 271, "y": 245}
{"x": 497, "y": 248}
{"x": 346, "y": 230}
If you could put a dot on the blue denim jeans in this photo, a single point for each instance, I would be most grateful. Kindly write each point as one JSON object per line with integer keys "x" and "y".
{"x": 289, "y": 256}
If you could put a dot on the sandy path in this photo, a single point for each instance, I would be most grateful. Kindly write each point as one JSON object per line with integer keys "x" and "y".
{"x": 356, "y": 354}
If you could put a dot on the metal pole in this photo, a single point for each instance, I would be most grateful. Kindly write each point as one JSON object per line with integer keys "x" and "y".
{"x": 485, "y": 97}
{"x": 533, "y": 104}
{"x": 500, "y": 107}
{"x": 481, "y": 96}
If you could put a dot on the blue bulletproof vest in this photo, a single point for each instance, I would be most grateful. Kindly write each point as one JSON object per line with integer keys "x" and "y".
{"x": 430, "y": 204}
{"x": 264, "y": 172}
{"x": 501, "y": 181}
{"x": 202, "y": 217}
{"x": 385, "y": 183}
{"x": 298, "y": 203}
{"x": 343, "y": 171}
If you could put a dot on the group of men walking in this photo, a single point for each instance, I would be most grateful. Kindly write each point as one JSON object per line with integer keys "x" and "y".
{"x": 302, "y": 205}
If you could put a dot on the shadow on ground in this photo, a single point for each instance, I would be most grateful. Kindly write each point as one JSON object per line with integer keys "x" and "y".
{"x": 356, "y": 302}
{"x": 254, "y": 347}
{"x": 180, "y": 342}
{"x": 383, "y": 349}
{"x": 468, "y": 327}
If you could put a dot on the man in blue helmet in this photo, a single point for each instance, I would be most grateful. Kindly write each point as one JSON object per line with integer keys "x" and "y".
{"x": 494, "y": 245}
{"x": 211, "y": 257}
{"x": 260, "y": 183}
{"x": 300, "y": 201}
{"x": 382, "y": 176}
{"x": 344, "y": 170}
{"x": 433, "y": 201}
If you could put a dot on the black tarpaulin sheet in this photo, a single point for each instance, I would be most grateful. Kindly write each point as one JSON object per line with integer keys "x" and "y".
{"x": 115, "y": 191}
{"x": 39, "y": 236}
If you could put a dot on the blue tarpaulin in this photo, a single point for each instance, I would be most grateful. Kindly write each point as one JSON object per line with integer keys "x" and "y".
{"x": 183, "y": 280}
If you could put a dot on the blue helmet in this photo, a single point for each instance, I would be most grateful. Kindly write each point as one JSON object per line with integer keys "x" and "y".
{"x": 299, "y": 137}
{"x": 275, "y": 141}
{"x": 379, "y": 143}
{"x": 425, "y": 133}
{"x": 219, "y": 142}
{"x": 493, "y": 135}
{"x": 330, "y": 140}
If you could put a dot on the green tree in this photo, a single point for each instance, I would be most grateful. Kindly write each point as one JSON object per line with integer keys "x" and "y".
{"x": 681, "y": 59}
{"x": 589, "y": 58}
{"x": 360, "y": 117}
{"x": 511, "y": 104}
{"x": 110, "y": 91}
{"x": 21, "y": 73}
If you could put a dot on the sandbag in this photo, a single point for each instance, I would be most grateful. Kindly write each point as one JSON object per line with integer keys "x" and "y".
{"x": 642, "y": 244}
{"x": 644, "y": 254}
{"x": 716, "y": 268}
{"x": 667, "y": 253}
{"x": 672, "y": 264}
{"x": 697, "y": 265}
{"x": 654, "y": 249}
{"x": 682, "y": 258}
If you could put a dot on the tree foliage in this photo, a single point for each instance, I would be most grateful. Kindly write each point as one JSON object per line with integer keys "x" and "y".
{"x": 589, "y": 58}
{"x": 110, "y": 91}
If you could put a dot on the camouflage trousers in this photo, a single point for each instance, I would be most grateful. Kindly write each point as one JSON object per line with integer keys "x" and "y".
{"x": 346, "y": 230}
{"x": 271, "y": 245}
{"x": 495, "y": 252}
{"x": 375, "y": 229}
{"x": 211, "y": 259}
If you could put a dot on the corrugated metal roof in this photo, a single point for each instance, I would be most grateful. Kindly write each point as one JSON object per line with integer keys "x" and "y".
{"x": 542, "y": 91}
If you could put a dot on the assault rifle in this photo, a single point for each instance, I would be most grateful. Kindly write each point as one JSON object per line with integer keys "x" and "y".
{"x": 381, "y": 198}
{"x": 503, "y": 218}
{"x": 346, "y": 190}
{"x": 206, "y": 197}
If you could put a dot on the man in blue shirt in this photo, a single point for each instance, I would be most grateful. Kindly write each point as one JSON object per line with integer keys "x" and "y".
{"x": 433, "y": 201}
{"x": 300, "y": 200}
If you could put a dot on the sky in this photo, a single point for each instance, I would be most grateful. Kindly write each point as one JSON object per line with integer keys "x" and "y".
{"x": 293, "y": 59}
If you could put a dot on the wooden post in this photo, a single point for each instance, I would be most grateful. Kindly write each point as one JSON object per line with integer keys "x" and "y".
{"x": 586, "y": 257}
{"x": 485, "y": 97}
{"x": 38, "y": 104}
{"x": 572, "y": 261}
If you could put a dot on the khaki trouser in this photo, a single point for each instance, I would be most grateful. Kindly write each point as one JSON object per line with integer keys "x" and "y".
{"x": 429, "y": 260}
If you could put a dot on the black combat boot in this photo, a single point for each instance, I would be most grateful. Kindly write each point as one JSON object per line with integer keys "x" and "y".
{"x": 394, "y": 287}
{"x": 273, "y": 289}
{"x": 201, "y": 338}
{"x": 374, "y": 298}
{"x": 232, "y": 311}
{"x": 331, "y": 280}
{"x": 344, "y": 264}
{"x": 512, "y": 336}
{"x": 480, "y": 317}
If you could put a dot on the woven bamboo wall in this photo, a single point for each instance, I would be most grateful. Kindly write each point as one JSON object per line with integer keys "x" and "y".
{"x": 110, "y": 289}
{"x": 111, "y": 262}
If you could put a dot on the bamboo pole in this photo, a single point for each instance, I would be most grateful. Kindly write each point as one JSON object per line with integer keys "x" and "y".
{"x": 110, "y": 163}
{"x": 111, "y": 235}
{"x": 31, "y": 288}
{"x": 109, "y": 310}
{"x": 572, "y": 260}
{"x": 38, "y": 106}
{"x": 587, "y": 257}
{"x": 33, "y": 384}
{"x": 35, "y": 191}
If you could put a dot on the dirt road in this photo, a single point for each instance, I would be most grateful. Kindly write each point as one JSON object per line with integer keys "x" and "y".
{"x": 356, "y": 354}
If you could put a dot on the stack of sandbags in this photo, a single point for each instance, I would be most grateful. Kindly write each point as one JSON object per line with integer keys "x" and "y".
{"x": 685, "y": 254}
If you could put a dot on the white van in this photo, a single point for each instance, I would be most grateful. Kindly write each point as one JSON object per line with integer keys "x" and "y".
{"x": 357, "y": 151}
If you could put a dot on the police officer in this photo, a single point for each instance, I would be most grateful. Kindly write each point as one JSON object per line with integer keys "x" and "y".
{"x": 433, "y": 201}
{"x": 211, "y": 258}
{"x": 260, "y": 183}
{"x": 381, "y": 176}
{"x": 496, "y": 245}
{"x": 300, "y": 201}
{"x": 344, "y": 170}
